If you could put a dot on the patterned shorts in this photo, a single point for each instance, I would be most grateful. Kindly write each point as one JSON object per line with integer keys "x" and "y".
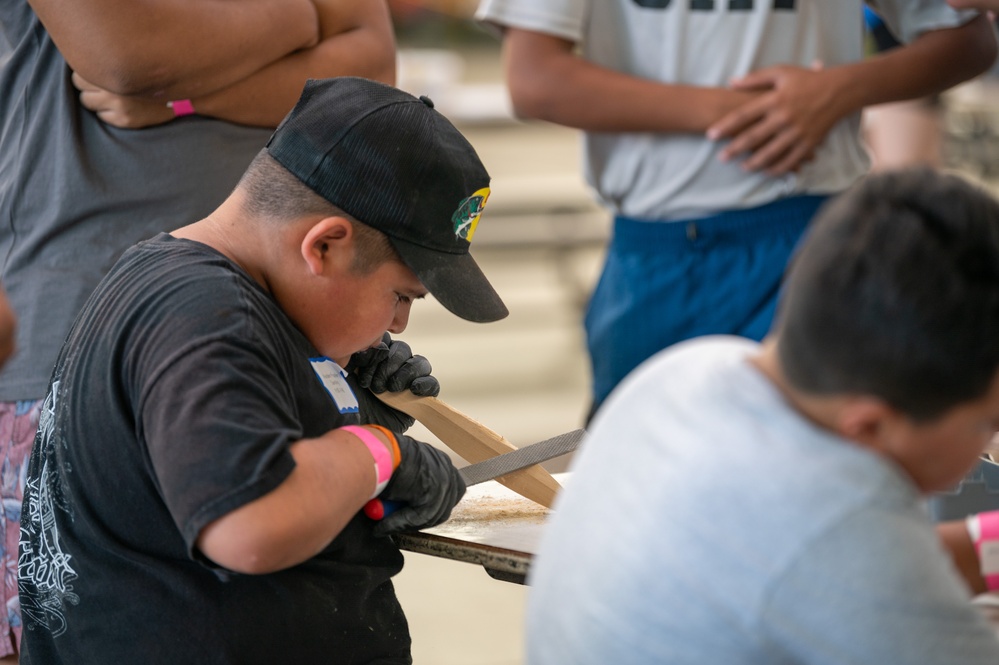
{"x": 18, "y": 422}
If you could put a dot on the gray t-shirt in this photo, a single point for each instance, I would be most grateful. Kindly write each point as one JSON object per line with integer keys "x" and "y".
{"x": 706, "y": 521}
{"x": 75, "y": 192}
{"x": 653, "y": 176}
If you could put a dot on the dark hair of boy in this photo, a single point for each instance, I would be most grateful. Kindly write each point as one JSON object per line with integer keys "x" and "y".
{"x": 272, "y": 192}
{"x": 896, "y": 295}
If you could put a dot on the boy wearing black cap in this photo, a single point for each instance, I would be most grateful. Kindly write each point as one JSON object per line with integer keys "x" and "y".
{"x": 201, "y": 464}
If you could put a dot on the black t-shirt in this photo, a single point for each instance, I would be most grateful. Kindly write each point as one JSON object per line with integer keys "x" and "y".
{"x": 173, "y": 402}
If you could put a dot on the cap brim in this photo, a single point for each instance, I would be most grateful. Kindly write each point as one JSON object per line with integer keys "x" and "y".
{"x": 455, "y": 280}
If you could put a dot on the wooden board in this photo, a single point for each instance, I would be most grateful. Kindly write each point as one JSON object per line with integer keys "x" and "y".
{"x": 474, "y": 442}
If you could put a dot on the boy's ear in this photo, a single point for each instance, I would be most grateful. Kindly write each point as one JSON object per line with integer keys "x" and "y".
{"x": 325, "y": 241}
{"x": 868, "y": 421}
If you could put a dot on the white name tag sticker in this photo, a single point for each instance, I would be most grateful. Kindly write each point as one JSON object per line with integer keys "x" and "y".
{"x": 334, "y": 379}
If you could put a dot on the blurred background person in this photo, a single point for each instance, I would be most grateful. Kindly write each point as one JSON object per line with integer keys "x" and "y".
{"x": 714, "y": 153}
{"x": 906, "y": 133}
{"x": 78, "y": 185}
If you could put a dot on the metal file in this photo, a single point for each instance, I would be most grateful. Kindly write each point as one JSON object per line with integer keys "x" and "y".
{"x": 521, "y": 458}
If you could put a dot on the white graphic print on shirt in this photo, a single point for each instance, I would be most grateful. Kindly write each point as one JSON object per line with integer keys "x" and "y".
{"x": 42, "y": 563}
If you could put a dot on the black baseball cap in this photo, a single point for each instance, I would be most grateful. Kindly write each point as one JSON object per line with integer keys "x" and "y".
{"x": 391, "y": 161}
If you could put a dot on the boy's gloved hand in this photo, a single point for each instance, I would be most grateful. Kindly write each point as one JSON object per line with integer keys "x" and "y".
{"x": 389, "y": 366}
{"x": 427, "y": 485}
{"x": 392, "y": 366}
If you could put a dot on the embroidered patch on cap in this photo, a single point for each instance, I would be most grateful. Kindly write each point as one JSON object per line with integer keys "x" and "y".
{"x": 466, "y": 217}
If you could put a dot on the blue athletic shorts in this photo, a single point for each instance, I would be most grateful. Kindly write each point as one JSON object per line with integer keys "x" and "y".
{"x": 664, "y": 282}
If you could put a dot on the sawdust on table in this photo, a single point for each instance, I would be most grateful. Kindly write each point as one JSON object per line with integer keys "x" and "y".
{"x": 494, "y": 510}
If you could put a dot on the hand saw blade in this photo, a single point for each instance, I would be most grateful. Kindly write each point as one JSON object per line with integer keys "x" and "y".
{"x": 501, "y": 465}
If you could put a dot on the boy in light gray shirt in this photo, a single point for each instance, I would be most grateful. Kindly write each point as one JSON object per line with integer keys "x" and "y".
{"x": 747, "y": 503}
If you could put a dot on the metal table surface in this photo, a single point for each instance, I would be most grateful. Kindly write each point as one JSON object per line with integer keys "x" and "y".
{"x": 491, "y": 526}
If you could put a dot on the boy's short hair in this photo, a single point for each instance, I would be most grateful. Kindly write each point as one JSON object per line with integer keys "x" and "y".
{"x": 895, "y": 293}
{"x": 272, "y": 193}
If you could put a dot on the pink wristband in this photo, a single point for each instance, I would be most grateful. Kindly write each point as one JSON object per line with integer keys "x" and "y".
{"x": 181, "y": 107}
{"x": 984, "y": 530}
{"x": 381, "y": 455}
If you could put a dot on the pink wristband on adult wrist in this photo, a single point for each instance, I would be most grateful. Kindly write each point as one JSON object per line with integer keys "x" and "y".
{"x": 181, "y": 107}
{"x": 381, "y": 455}
{"x": 984, "y": 531}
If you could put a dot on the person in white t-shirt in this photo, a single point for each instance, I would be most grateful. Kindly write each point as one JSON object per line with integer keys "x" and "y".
{"x": 713, "y": 131}
{"x": 762, "y": 504}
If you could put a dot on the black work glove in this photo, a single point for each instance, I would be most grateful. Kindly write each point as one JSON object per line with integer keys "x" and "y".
{"x": 426, "y": 485}
{"x": 389, "y": 366}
